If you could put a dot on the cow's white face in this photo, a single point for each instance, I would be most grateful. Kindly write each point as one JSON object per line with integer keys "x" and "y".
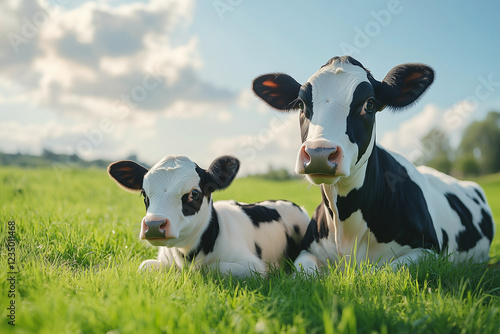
{"x": 337, "y": 116}
{"x": 337, "y": 108}
{"x": 177, "y": 194}
{"x": 173, "y": 194}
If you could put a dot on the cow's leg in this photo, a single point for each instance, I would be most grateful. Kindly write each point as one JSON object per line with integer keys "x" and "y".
{"x": 408, "y": 258}
{"x": 240, "y": 269}
{"x": 306, "y": 262}
{"x": 150, "y": 265}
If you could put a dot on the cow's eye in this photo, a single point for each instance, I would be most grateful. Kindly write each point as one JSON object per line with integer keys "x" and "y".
{"x": 369, "y": 107}
{"x": 300, "y": 105}
{"x": 195, "y": 194}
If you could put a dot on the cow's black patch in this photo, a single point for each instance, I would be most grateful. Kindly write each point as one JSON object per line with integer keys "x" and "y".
{"x": 278, "y": 90}
{"x": 317, "y": 228}
{"x": 191, "y": 206}
{"x": 292, "y": 248}
{"x": 305, "y": 116}
{"x": 360, "y": 127}
{"x": 258, "y": 250}
{"x": 486, "y": 225}
{"x": 304, "y": 126}
{"x": 259, "y": 213}
{"x": 469, "y": 237}
{"x": 445, "y": 240}
{"x": 480, "y": 195}
{"x": 394, "y": 209}
{"x": 219, "y": 174}
{"x": 208, "y": 238}
{"x": 327, "y": 202}
{"x": 305, "y": 94}
{"x": 296, "y": 229}
{"x": 146, "y": 199}
{"x": 206, "y": 183}
{"x": 331, "y": 61}
{"x": 345, "y": 59}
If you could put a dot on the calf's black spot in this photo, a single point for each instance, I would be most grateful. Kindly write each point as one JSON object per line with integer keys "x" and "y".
{"x": 317, "y": 228}
{"x": 189, "y": 206}
{"x": 258, "y": 250}
{"x": 480, "y": 195}
{"x": 292, "y": 248}
{"x": 259, "y": 213}
{"x": 208, "y": 238}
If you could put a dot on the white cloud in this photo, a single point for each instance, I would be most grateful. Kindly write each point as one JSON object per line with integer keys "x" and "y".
{"x": 66, "y": 60}
{"x": 249, "y": 101}
{"x": 406, "y": 140}
{"x": 276, "y": 143}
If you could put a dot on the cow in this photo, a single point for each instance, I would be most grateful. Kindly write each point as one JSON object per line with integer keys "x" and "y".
{"x": 188, "y": 227}
{"x": 376, "y": 205}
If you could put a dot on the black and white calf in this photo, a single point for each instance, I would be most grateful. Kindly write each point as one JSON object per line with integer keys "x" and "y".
{"x": 189, "y": 228}
{"x": 374, "y": 201}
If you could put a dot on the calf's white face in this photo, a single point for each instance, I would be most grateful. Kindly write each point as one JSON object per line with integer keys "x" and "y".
{"x": 177, "y": 194}
{"x": 337, "y": 108}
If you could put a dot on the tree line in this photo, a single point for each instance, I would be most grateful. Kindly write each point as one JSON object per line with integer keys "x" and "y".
{"x": 477, "y": 154}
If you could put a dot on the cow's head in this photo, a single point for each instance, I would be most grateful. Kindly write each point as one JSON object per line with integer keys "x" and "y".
{"x": 337, "y": 111}
{"x": 177, "y": 194}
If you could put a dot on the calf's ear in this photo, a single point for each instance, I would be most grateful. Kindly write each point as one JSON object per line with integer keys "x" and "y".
{"x": 128, "y": 174}
{"x": 222, "y": 172}
{"x": 278, "y": 90}
{"x": 404, "y": 84}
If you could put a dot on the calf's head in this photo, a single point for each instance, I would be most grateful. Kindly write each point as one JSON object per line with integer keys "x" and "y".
{"x": 177, "y": 194}
{"x": 337, "y": 108}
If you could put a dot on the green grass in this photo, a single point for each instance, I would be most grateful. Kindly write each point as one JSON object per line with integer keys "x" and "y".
{"x": 77, "y": 256}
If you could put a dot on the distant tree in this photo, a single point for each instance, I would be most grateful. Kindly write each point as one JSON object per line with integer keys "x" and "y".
{"x": 468, "y": 165}
{"x": 436, "y": 151}
{"x": 481, "y": 142}
{"x": 132, "y": 157}
{"x": 280, "y": 174}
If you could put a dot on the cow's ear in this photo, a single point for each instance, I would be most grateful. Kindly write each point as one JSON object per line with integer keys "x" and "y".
{"x": 222, "y": 172}
{"x": 404, "y": 84}
{"x": 278, "y": 90}
{"x": 128, "y": 174}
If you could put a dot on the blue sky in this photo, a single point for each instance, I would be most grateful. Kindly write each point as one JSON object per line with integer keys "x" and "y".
{"x": 104, "y": 79}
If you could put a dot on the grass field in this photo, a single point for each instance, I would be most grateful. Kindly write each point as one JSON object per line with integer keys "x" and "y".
{"x": 77, "y": 253}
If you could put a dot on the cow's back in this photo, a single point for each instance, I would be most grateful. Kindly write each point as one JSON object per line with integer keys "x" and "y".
{"x": 460, "y": 214}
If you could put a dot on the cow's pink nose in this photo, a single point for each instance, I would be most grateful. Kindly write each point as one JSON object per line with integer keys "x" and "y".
{"x": 320, "y": 160}
{"x": 155, "y": 229}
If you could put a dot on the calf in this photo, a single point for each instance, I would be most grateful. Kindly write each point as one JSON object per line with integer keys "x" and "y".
{"x": 187, "y": 226}
{"x": 376, "y": 205}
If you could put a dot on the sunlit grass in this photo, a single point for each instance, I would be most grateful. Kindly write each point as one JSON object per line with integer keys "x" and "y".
{"x": 78, "y": 253}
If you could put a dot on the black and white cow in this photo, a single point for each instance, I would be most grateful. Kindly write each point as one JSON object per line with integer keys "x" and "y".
{"x": 376, "y": 205}
{"x": 182, "y": 219}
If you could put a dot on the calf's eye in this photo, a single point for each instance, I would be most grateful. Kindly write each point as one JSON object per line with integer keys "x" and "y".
{"x": 195, "y": 194}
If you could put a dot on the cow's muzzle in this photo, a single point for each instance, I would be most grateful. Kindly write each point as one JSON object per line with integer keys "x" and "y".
{"x": 320, "y": 160}
{"x": 155, "y": 229}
